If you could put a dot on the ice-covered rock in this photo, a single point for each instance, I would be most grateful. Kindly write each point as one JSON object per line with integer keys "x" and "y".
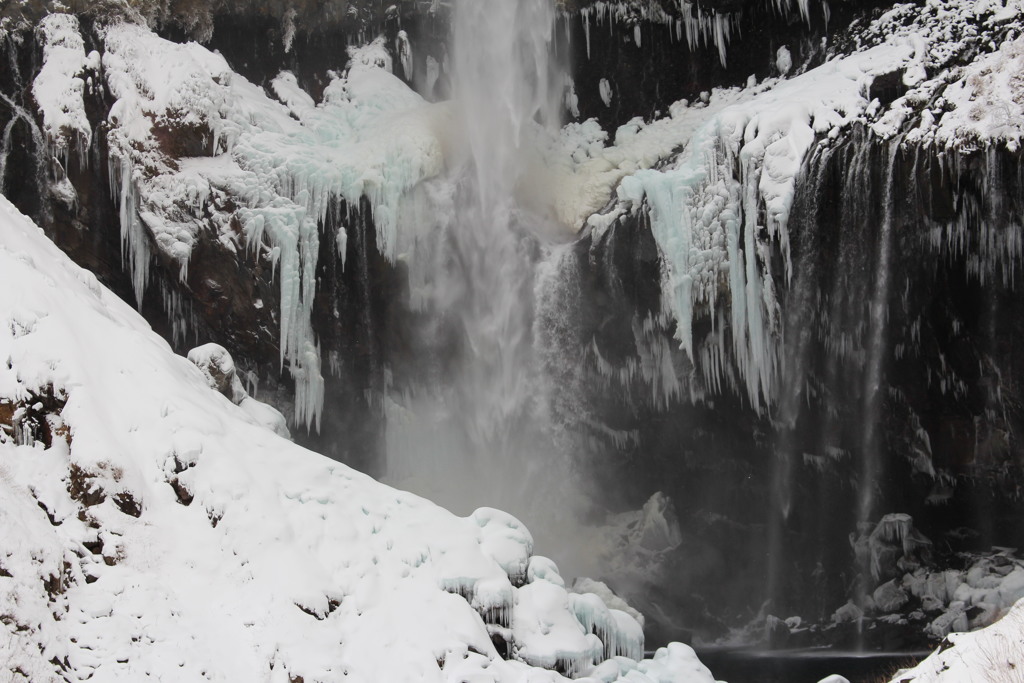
{"x": 547, "y": 634}
{"x": 848, "y": 613}
{"x": 889, "y": 597}
{"x": 783, "y": 60}
{"x": 505, "y": 540}
{"x": 659, "y": 526}
{"x": 621, "y": 634}
{"x": 587, "y": 585}
{"x": 196, "y": 149}
{"x": 218, "y": 367}
{"x": 891, "y": 547}
{"x": 723, "y": 204}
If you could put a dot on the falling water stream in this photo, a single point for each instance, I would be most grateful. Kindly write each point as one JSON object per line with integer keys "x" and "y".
{"x": 483, "y": 435}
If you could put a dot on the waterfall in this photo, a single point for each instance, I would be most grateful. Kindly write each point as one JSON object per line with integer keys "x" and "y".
{"x": 30, "y": 163}
{"x": 478, "y": 431}
{"x": 830, "y": 439}
{"x": 877, "y": 351}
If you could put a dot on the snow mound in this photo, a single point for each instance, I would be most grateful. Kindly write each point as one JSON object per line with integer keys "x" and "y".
{"x": 152, "y": 530}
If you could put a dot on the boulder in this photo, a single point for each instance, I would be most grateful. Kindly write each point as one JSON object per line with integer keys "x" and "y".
{"x": 889, "y": 597}
{"x": 218, "y": 368}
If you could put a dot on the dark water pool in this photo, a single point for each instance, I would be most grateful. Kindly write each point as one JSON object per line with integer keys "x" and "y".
{"x": 804, "y": 666}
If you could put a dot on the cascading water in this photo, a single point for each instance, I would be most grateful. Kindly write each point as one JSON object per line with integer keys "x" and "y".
{"x": 481, "y": 434}
{"x": 19, "y": 136}
{"x": 876, "y": 351}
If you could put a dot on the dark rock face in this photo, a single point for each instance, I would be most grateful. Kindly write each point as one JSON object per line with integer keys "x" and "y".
{"x": 645, "y": 78}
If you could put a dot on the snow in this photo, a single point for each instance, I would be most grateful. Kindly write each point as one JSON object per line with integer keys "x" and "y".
{"x": 156, "y": 530}
{"x": 59, "y": 86}
{"x": 987, "y": 101}
{"x": 995, "y": 654}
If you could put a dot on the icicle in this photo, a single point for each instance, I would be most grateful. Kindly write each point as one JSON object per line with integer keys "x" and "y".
{"x": 294, "y": 240}
{"x": 135, "y": 250}
{"x": 404, "y": 51}
{"x": 585, "y": 17}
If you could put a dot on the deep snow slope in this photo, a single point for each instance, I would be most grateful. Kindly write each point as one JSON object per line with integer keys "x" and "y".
{"x": 153, "y": 530}
{"x": 993, "y": 654}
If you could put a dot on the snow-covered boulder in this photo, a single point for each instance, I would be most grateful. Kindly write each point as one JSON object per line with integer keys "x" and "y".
{"x": 218, "y": 367}
{"x": 601, "y": 589}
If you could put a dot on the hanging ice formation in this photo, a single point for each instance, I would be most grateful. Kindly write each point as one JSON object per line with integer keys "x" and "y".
{"x": 720, "y": 210}
{"x": 700, "y": 27}
{"x": 274, "y": 167}
{"x": 67, "y": 72}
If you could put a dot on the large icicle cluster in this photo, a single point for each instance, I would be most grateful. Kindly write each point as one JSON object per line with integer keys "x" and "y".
{"x": 195, "y": 148}
{"x": 719, "y": 211}
{"x": 154, "y": 530}
{"x": 698, "y": 25}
